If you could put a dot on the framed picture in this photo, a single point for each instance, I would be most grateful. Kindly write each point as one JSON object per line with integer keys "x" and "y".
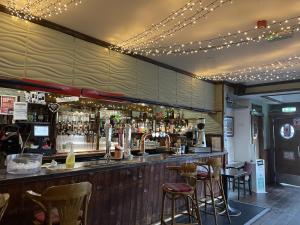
{"x": 216, "y": 144}
{"x": 229, "y": 126}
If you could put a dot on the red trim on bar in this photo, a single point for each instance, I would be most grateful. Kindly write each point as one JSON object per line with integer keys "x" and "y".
{"x": 51, "y": 87}
{"x": 105, "y": 96}
{"x": 92, "y": 93}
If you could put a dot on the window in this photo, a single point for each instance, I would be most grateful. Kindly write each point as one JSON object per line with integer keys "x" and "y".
{"x": 287, "y": 131}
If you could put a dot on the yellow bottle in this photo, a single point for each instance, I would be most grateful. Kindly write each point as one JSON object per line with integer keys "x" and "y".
{"x": 70, "y": 160}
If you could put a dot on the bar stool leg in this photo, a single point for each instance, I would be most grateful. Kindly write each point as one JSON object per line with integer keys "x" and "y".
{"x": 188, "y": 208}
{"x": 205, "y": 195}
{"x": 224, "y": 200}
{"x": 197, "y": 209}
{"x": 249, "y": 184}
{"x": 244, "y": 185}
{"x": 238, "y": 188}
{"x": 213, "y": 201}
{"x": 173, "y": 209}
{"x": 162, "y": 208}
{"x": 233, "y": 184}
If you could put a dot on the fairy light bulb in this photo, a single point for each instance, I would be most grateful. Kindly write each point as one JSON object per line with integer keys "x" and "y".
{"x": 28, "y": 10}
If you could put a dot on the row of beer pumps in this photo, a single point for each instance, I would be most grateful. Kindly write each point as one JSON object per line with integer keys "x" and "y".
{"x": 123, "y": 150}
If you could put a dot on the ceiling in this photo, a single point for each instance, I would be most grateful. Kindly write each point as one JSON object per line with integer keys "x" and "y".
{"x": 284, "y": 98}
{"x": 274, "y": 98}
{"x": 115, "y": 21}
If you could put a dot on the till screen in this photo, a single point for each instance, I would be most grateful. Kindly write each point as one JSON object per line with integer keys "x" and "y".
{"x": 41, "y": 131}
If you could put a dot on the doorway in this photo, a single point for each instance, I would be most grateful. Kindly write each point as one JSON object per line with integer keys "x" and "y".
{"x": 257, "y": 135}
{"x": 286, "y": 133}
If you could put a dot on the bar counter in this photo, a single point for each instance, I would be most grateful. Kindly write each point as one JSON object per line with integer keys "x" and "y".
{"x": 125, "y": 192}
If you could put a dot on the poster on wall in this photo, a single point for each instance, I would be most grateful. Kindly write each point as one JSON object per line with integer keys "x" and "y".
{"x": 216, "y": 144}
{"x": 35, "y": 97}
{"x": 7, "y": 105}
{"x": 20, "y": 111}
{"x": 228, "y": 126}
{"x": 296, "y": 123}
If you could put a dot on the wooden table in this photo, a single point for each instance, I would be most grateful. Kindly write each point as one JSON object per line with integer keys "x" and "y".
{"x": 234, "y": 174}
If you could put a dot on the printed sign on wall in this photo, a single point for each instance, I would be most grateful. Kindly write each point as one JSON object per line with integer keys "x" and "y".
{"x": 296, "y": 123}
{"x": 20, "y": 111}
{"x": 7, "y": 105}
{"x": 36, "y": 97}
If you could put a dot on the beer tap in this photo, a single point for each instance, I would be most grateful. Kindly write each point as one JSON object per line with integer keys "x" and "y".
{"x": 108, "y": 136}
{"x": 127, "y": 142}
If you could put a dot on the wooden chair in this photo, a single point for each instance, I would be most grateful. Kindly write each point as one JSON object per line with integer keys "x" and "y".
{"x": 4, "y": 198}
{"x": 187, "y": 191}
{"x": 63, "y": 205}
{"x": 210, "y": 174}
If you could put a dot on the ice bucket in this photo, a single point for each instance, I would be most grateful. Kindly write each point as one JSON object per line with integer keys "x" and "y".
{"x": 24, "y": 163}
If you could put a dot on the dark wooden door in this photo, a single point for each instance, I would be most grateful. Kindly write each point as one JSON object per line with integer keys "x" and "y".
{"x": 287, "y": 150}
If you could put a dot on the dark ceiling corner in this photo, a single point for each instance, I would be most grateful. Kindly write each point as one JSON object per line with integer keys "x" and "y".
{"x": 274, "y": 83}
{"x": 239, "y": 89}
{"x": 271, "y": 99}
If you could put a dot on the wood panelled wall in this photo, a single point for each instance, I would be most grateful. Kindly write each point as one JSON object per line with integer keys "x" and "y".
{"x": 36, "y": 52}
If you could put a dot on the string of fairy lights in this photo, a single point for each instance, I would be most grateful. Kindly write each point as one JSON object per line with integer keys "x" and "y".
{"x": 150, "y": 41}
{"x": 38, "y": 9}
{"x": 191, "y": 13}
{"x": 284, "y": 69}
{"x": 273, "y": 31}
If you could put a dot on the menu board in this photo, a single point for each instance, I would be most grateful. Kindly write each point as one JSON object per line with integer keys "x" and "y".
{"x": 7, "y": 105}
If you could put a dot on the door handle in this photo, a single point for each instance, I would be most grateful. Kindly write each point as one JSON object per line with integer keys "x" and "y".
{"x": 298, "y": 151}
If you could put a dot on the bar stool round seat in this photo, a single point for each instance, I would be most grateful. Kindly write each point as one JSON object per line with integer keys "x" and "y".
{"x": 177, "y": 187}
{"x": 202, "y": 175}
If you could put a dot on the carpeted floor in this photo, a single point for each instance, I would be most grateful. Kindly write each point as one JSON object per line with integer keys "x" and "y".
{"x": 250, "y": 213}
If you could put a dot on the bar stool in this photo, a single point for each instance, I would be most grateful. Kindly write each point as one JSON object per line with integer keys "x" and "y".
{"x": 63, "y": 205}
{"x": 4, "y": 198}
{"x": 211, "y": 173}
{"x": 186, "y": 191}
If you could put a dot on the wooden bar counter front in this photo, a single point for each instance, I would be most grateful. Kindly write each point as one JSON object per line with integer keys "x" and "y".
{"x": 124, "y": 192}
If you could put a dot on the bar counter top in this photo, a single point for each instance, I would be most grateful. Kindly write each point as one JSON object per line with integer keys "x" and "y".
{"x": 98, "y": 165}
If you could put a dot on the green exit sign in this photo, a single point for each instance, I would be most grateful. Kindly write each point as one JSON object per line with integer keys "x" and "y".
{"x": 289, "y": 109}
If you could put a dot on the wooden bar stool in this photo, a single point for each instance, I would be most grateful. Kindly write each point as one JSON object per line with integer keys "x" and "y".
{"x": 210, "y": 174}
{"x": 4, "y": 198}
{"x": 186, "y": 191}
{"x": 63, "y": 205}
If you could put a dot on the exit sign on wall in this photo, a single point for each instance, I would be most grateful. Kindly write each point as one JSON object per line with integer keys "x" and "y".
{"x": 289, "y": 109}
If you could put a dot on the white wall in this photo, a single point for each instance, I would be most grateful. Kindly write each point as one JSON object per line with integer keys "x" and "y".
{"x": 240, "y": 147}
{"x": 228, "y": 141}
{"x": 243, "y": 148}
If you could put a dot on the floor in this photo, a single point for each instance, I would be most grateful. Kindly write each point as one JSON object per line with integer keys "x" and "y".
{"x": 283, "y": 201}
{"x": 249, "y": 211}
